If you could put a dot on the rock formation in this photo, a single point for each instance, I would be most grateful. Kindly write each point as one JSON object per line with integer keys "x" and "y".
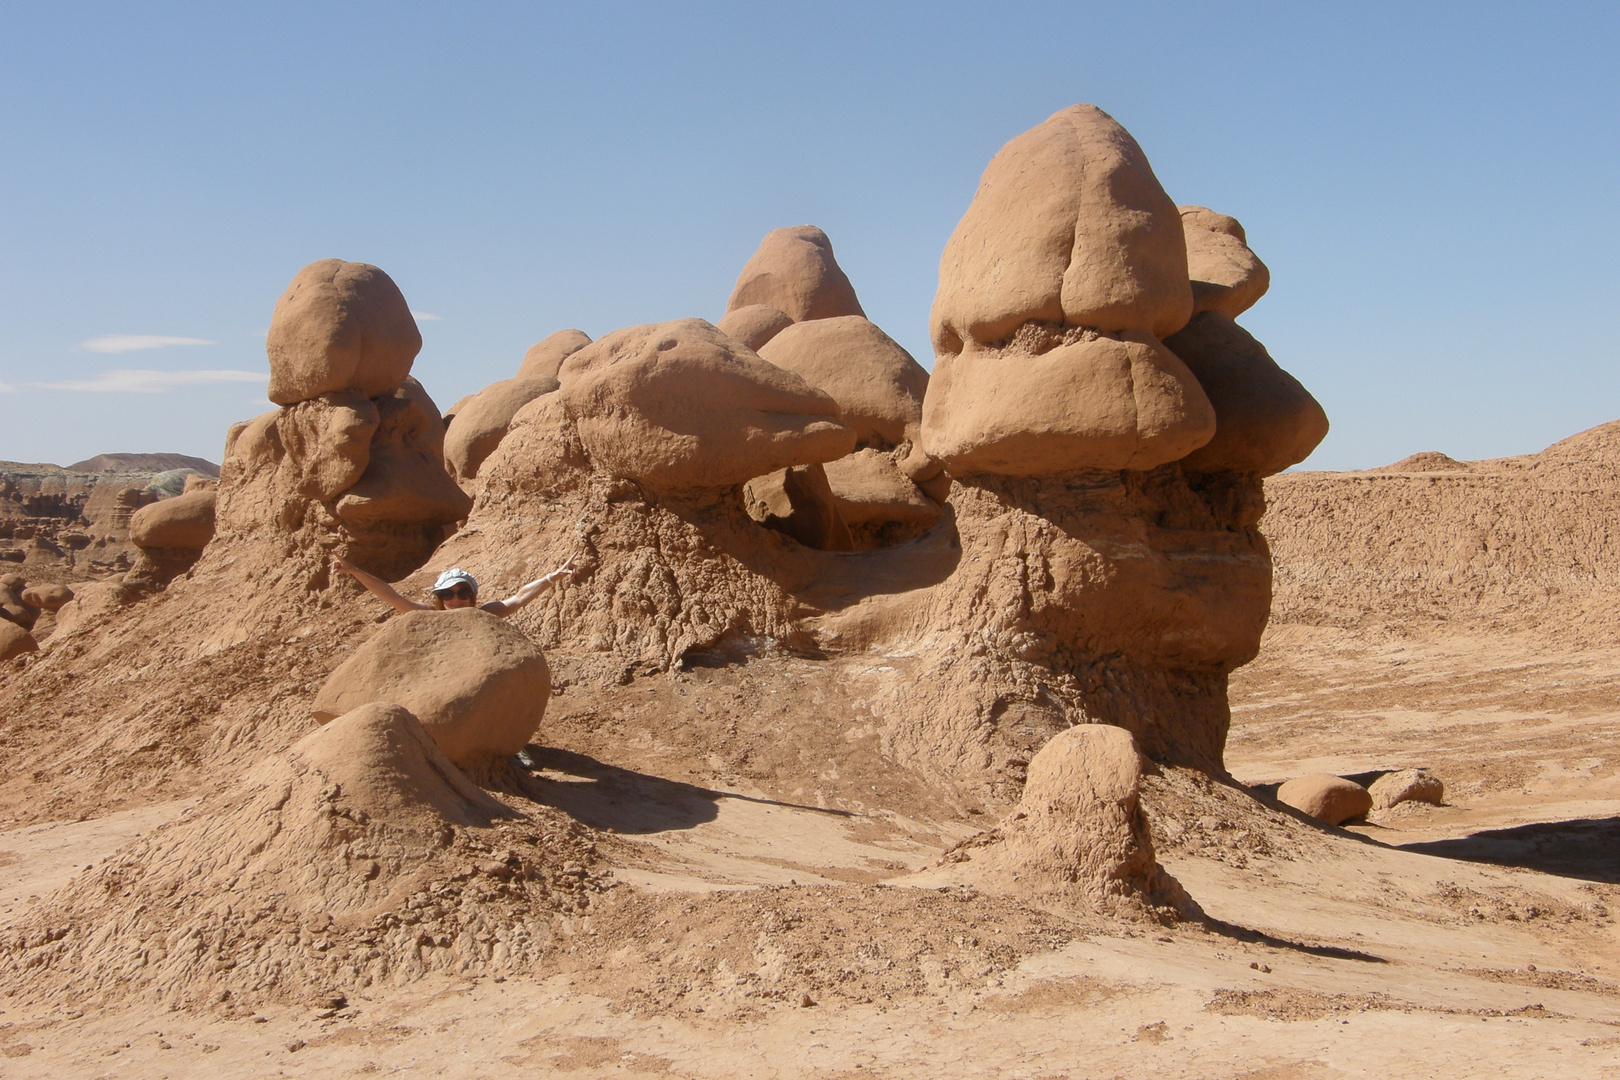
{"x": 172, "y": 534}
{"x": 355, "y": 457}
{"x": 679, "y": 405}
{"x": 754, "y": 324}
{"x": 1227, "y": 277}
{"x": 340, "y": 326}
{"x": 544, "y": 358}
{"x": 14, "y": 641}
{"x": 1406, "y": 785}
{"x": 1080, "y": 573}
{"x": 794, "y": 272}
{"x": 1078, "y": 836}
{"x": 476, "y": 683}
{"x": 1329, "y": 799}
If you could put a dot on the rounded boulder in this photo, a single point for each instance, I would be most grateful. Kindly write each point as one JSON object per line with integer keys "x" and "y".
{"x": 47, "y": 597}
{"x": 476, "y": 682}
{"x": 1327, "y": 798}
{"x": 14, "y": 641}
{"x": 340, "y": 326}
{"x": 185, "y": 522}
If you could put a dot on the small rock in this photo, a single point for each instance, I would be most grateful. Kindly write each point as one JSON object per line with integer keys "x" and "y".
{"x": 1407, "y": 785}
{"x": 1330, "y": 799}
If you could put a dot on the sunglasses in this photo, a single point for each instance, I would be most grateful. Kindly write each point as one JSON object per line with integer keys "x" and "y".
{"x": 460, "y": 592}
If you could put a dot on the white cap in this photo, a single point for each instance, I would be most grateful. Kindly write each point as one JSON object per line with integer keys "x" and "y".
{"x": 453, "y": 577}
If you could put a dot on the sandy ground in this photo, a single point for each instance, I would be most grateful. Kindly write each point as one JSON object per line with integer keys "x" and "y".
{"x": 1473, "y": 939}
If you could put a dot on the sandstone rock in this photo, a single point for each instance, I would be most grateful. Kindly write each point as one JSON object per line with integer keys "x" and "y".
{"x": 476, "y": 682}
{"x": 754, "y": 324}
{"x": 482, "y": 422}
{"x": 340, "y": 326}
{"x": 1226, "y": 276}
{"x": 405, "y": 483}
{"x": 1330, "y": 799}
{"x": 680, "y": 405}
{"x": 871, "y": 490}
{"x": 47, "y": 597}
{"x": 794, "y": 271}
{"x": 878, "y": 386}
{"x": 1066, "y": 269}
{"x": 185, "y": 522}
{"x": 1069, "y": 226}
{"x": 1079, "y": 832}
{"x": 544, "y": 358}
{"x": 1052, "y": 404}
{"x": 1265, "y": 420}
{"x": 13, "y": 581}
{"x": 13, "y": 608}
{"x": 91, "y": 602}
{"x": 14, "y": 641}
{"x": 1407, "y": 785}
{"x": 799, "y": 503}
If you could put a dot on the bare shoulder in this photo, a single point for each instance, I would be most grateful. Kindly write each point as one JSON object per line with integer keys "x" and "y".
{"x": 494, "y": 607}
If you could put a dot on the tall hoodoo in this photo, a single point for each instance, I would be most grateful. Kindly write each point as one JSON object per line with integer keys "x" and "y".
{"x": 355, "y": 456}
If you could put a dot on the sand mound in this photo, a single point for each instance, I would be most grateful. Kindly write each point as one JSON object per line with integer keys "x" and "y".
{"x": 359, "y": 856}
{"x": 1497, "y": 545}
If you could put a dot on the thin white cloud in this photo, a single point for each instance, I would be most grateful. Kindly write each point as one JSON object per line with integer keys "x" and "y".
{"x": 121, "y": 343}
{"x": 7, "y": 388}
{"x": 422, "y": 316}
{"x": 150, "y": 382}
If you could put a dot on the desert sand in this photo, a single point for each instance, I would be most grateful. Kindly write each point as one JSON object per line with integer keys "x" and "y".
{"x": 941, "y": 734}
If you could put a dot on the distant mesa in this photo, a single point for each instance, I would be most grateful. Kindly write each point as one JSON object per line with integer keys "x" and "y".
{"x": 147, "y": 463}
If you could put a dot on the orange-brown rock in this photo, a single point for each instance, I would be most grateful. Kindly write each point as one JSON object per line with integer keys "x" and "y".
{"x": 1069, "y": 226}
{"x": 794, "y": 271}
{"x": 1068, "y": 267}
{"x": 1265, "y": 420}
{"x": 344, "y": 470}
{"x": 47, "y": 597}
{"x": 482, "y": 420}
{"x": 878, "y": 386}
{"x": 15, "y": 640}
{"x": 185, "y": 522}
{"x": 799, "y": 503}
{"x": 1406, "y": 785}
{"x": 1330, "y": 799}
{"x": 476, "y": 683}
{"x": 1057, "y": 400}
{"x": 1078, "y": 835}
{"x": 1226, "y": 276}
{"x": 754, "y": 324}
{"x": 340, "y": 326}
{"x": 679, "y": 405}
{"x": 545, "y": 357}
{"x": 880, "y": 504}
{"x": 405, "y": 485}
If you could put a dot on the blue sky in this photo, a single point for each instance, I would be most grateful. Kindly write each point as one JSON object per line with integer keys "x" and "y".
{"x": 1432, "y": 185}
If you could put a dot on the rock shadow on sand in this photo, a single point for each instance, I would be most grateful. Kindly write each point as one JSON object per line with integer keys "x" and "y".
{"x": 618, "y": 800}
{"x": 1581, "y": 848}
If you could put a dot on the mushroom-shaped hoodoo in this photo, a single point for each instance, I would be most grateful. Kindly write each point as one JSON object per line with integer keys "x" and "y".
{"x": 680, "y": 405}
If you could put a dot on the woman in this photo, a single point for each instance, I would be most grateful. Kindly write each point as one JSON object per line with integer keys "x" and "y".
{"x": 455, "y": 589}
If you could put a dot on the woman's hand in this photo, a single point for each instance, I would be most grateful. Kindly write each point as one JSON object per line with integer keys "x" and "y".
{"x": 340, "y": 565}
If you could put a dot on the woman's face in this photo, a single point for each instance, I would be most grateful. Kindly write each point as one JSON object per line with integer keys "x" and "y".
{"x": 459, "y": 597}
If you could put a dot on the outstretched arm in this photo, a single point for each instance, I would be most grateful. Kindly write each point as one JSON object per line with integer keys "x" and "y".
{"x": 377, "y": 586}
{"x": 529, "y": 591}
